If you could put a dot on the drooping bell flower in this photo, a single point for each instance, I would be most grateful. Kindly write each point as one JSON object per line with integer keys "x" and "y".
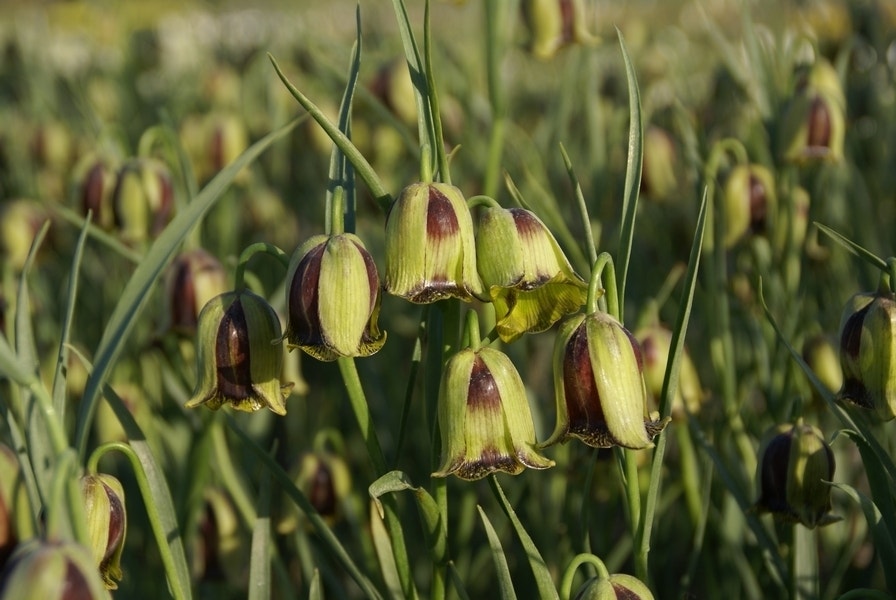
{"x": 51, "y": 570}
{"x": 107, "y": 524}
{"x": 599, "y": 388}
{"x": 143, "y": 199}
{"x": 239, "y": 355}
{"x": 333, "y": 299}
{"x": 95, "y": 177}
{"x": 794, "y": 467}
{"x": 618, "y": 586}
{"x": 814, "y": 123}
{"x": 430, "y": 247}
{"x": 484, "y": 417}
{"x": 750, "y": 202}
{"x": 554, "y": 24}
{"x": 656, "y": 345}
{"x": 530, "y": 281}
{"x": 868, "y": 353}
{"x": 195, "y": 278}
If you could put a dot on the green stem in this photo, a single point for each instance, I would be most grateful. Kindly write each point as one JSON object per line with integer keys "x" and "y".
{"x": 583, "y": 206}
{"x": 604, "y": 261}
{"x": 337, "y": 212}
{"x": 805, "y": 564}
{"x": 569, "y": 574}
{"x": 633, "y": 496}
{"x": 66, "y": 518}
{"x": 271, "y": 249}
{"x": 433, "y": 97}
{"x": 493, "y": 13}
{"x": 482, "y": 200}
{"x": 152, "y": 512}
{"x": 362, "y": 415}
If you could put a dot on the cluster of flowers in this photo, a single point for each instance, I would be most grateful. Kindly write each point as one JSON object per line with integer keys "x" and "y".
{"x": 513, "y": 261}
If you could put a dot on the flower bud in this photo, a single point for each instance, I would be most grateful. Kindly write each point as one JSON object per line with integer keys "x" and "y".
{"x": 333, "y": 298}
{"x": 106, "y": 524}
{"x": 484, "y": 417}
{"x": 430, "y": 248}
{"x": 394, "y": 88}
{"x": 599, "y": 388}
{"x": 750, "y": 202}
{"x": 195, "y": 278}
{"x": 795, "y": 464}
{"x": 814, "y": 122}
{"x": 143, "y": 199}
{"x": 325, "y": 480}
{"x": 529, "y": 279}
{"x": 95, "y": 178}
{"x": 868, "y": 353}
{"x": 821, "y": 355}
{"x": 41, "y": 570}
{"x": 656, "y": 345}
{"x": 553, "y": 24}
{"x": 614, "y": 587}
{"x": 659, "y": 179}
{"x": 20, "y": 221}
{"x": 219, "y": 555}
{"x": 239, "y": 355}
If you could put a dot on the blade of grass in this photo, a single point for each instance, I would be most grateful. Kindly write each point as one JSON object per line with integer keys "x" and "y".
{"x": 341, "y": 173}
{"x": 632, "y": 173}
{"x": 260, "y": 556}
{"x": 505, "y": 581}
{"x": 543, "y": 581}
{"x": 883, "y": 541}
{"x": 670, "y": 386}
{"x": 137, "y": 291}
{"x": 853, "y": 248}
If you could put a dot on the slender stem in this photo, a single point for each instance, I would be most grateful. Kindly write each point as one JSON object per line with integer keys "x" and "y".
{"x": 604, "y": 261}
{"x": 805, "y": 564}
{"x": 362, "y": 412}
{"x": 570, "y": 572}
{"x": 271, "y": 249}
{"x": 583, "y": 206}
{"x": 493, "y": 14}
{"x": 633, "y": 496}
{"x": 152, "y": 511}
{"x": 337, "y": 214}
{"x": 482, "y": 200}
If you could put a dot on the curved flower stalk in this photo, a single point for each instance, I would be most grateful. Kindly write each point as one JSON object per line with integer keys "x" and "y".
{"x": 530, "y": 281}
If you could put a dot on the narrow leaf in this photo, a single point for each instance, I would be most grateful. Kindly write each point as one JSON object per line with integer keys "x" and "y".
{"x": 854, "y": 248}
{"x": 883, "y": 541}
{"x": 543, "y": 582}
{"x": 505, "y": 582}
{"x": 632, "y": 173}
{"x": 433, "y": 525}
{"x": 383, "y": 546}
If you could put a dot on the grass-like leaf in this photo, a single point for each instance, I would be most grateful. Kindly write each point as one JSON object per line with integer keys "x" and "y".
{"x": 866, "y": 255}
{"x": 139, "y": 288}
{"x": 632, "y": 174}
{"x": 543, "y": 581}
{"x": 505, "y": 581}
{"x": 433, "y": 525}
{"x": 883, "y": 541}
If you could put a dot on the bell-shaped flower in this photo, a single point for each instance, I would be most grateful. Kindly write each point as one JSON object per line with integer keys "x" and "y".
{"x": 618, "y": 586}
{"x": 107, "y": 524}
{"x": 655, "y": 341}
{"x": 143, "y": 199}
{"x": 599, "y": 387}
{"x": 868, "y": 353}
{"x": 239, "y": 355}
{"x": 430, "y": 247}
{"x": 554, "y": 24}
{"x": 794, "y": 469}
{"x": 530, "y": 281}
{"x": 814, "y": 122}
{"x": 195, "y": 278}
{"x": 51, "y": 570}
{"x": 484, "y": 417}
{"x": 750, "y": 202}
{"x": 332, "y": 299}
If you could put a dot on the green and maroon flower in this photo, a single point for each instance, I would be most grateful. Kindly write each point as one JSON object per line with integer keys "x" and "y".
{"x": 599, "y": 388}
{"x": 430, "y": 247}
{"x": 239, "y": 355}
{"x": 530, "y": 281}
{"x": 107, "y": 524}
{"x": 484, "y": 417}
{"x": 333, "y": 299}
